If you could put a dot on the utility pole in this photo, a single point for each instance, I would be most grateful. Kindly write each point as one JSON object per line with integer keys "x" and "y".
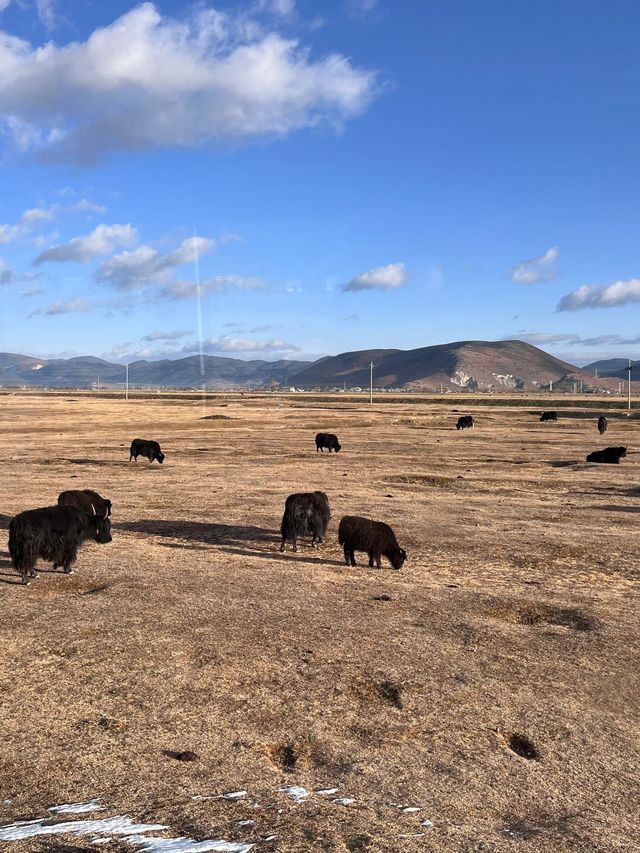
{"x": 629, "y": 371}
{"x": 126, "y": 382}
{"x": 550, "y": 385}
{"x": 371, "y": 384}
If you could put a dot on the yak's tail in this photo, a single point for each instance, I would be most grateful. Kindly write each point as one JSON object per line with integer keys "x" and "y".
{"x": 23, "y": 548}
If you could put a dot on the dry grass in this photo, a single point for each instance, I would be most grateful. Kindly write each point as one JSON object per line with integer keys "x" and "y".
{"x": 493, "y": 682}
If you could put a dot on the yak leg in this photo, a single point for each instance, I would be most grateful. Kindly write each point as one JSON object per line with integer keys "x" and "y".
{"x": 347, "y": 555}
{"x": 69, "y": 556}
{"x": 282, "y": 545}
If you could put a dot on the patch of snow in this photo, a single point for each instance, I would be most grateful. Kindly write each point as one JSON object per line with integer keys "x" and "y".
{"x": 245, "y": 822}
{"x": 231, "y": 795}
{"x": 410, "y": 809}
{"x": 296, "y": 792}
{"x": 427, "y": 823}
{"x": 327, "y": 792}
{"x": 343, "y": 801}
{"x": 119, "y": 825}
{"x": 77, "y": 808}
{"x": 151, "y": 844}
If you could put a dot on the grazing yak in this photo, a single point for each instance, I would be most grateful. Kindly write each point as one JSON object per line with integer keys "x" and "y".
{"x": 305, "y": 514}
{"x": 86, "y": 499}
{"x": 465, "y": 422}
{"x": 374, "y": 537}
{"x": 611, "y": 455}
{"x": 144, "y": 447}
{"x": 54, "y": 534}
{"x": 549, "y": 416}
{"x": 602, "y": 424}
{"x": 327, "y": 439}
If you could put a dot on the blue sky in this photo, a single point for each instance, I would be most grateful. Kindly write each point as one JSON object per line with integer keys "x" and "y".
{"x": 349, "y": 174}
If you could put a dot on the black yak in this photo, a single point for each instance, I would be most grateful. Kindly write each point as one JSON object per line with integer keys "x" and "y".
{"x": 54, "y": 534}
{"x": 465, "y": 422}
{"x": 611, "y": 455}
{"x": 549, "y": 416}
{"x": 144, "y": 447}
{"x": 602, "y": 424}
{"x": 86, "y": 499}
{"x": 305, "y": 514}
{"x": 374, "y": 537}
{"x": 329, "y": 440}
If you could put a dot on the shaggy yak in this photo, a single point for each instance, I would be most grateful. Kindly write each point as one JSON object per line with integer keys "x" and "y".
{"x": 374, "y": 537}
{"x": 86, "y": 499}
{"x": 465, "y": 422}
{"x": 305, "y": 514}
{"x": 329, "y": 440}
{"x": 549, "y": 416}
{"x": 144, "y": 447}
{"x": 602, "y": 424}
{"x": 611, "y": 455}
{"x": 54, "y": 534}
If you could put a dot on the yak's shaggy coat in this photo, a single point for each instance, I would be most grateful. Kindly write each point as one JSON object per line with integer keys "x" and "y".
{"x": 376, "y": 538}
{"x": 305, "y": 514}
{"x": 611, "y": 455}
{"x": 145, "y": 447}
{"x": 54, "y": 534}
{"x": 87, "y": 500}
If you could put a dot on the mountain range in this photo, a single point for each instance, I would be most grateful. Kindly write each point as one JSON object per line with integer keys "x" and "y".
{"x": 463, "y": 365}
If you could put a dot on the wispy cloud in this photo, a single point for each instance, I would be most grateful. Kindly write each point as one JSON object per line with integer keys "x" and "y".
{"x": 166, "y": 336}
{"x": 227, "y": 344}
{"x": 71, "y": 307}
{"x": 536, "y": 270}
{"x": 181, "y": 289}
{"x": 388, "y": 277}
{"x": 607, "y": 296}
{"x": 101, "y": 241}
{"x": 552, "y": 338}
{"x": 7, "y": 274}
{"x": 46, "y": 13}
{"x": 149, "y": 80}
{"x": 34, "y": 216}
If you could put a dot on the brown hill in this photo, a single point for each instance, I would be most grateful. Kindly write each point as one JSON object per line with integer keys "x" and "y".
{"x": 471, "y": 365}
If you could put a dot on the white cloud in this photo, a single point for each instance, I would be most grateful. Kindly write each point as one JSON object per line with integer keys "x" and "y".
{"x": 536, "y": 270}
{"x": 146, "y": 264}
{"x": 227, "y": 343}
{"x": 361, "y": 8}
{"x": 608, "y": 296}
{"x": 388, "y": 277}
{"x": 70, "y": 307}
{"x": 4, "y": 4}
{"x": 150, "y": 81}
{"x": 102, "y": 240}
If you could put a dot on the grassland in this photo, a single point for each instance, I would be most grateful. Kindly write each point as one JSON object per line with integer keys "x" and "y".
{"x": 513, "y": 625}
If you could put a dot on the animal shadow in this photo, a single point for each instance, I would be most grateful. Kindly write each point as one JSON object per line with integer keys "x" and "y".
{"x": 199, "y": 531}
{"x": 102, "y": 462}
{"x": 5, "y": 520}
{"x": 615, "y": 508}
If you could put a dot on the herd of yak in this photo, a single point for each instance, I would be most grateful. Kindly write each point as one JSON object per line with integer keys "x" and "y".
{"x": 55, "y": 533}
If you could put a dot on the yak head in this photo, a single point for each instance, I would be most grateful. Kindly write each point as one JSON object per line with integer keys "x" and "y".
{"x": 102, "y": 528}
{"x": 338, "y": 447}
{"x": 160, "y": 457}
{"x": 397, "y": 557}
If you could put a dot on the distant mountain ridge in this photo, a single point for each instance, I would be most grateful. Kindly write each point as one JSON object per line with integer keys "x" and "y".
{"x": 88, "y": 372}
{"x": 458, "y": 366}
{"x": 470, "y": 365}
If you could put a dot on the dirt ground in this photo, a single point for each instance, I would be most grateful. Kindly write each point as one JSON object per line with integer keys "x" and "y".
{"x": 493, "y": 683}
